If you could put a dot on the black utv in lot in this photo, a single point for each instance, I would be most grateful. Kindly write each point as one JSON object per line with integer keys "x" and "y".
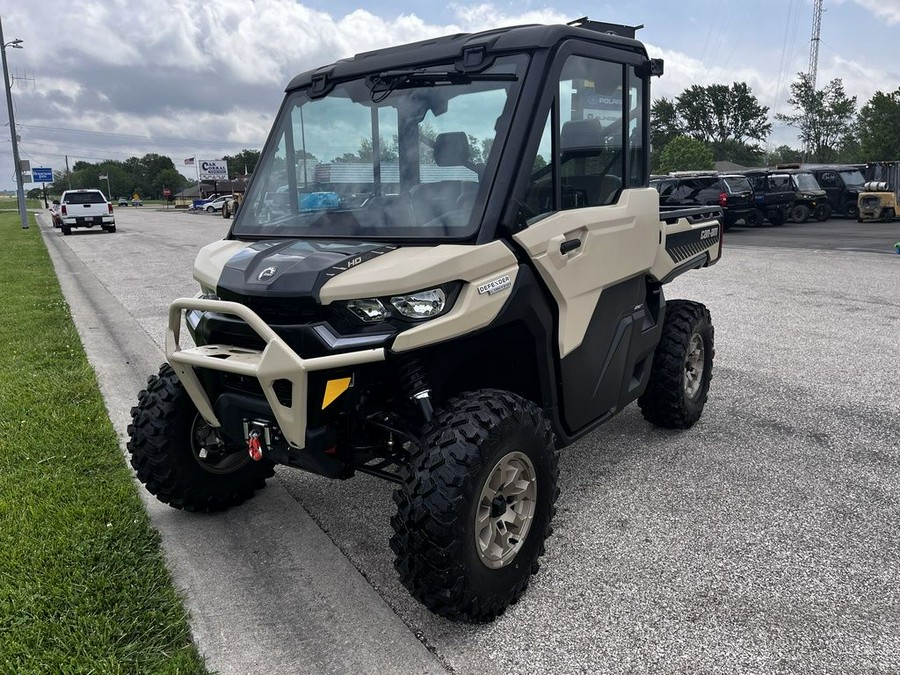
{"x": 842, "y": 185}
{"x": 782, "y": 194}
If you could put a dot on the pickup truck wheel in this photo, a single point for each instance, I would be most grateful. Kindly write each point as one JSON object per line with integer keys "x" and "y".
{"x": 66, "y": 230}
{"x": 475, "y": 505}
{"x": 800, "y": 213}
{"x": 180, "y": 458}
{"x": 682, "y": 367}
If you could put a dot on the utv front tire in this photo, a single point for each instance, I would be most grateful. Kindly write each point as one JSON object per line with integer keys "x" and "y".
{"x": 475, "y": 505}
{"x": 682, "y": 367}
{"x": 800, "y": 213}
{"x": 180, "y": 459}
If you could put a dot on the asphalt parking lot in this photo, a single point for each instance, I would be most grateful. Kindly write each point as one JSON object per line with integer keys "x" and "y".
{"x": 763, "y": 540}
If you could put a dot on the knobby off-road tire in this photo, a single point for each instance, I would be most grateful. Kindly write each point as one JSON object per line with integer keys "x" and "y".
{"x": 682, "y": 367}
{"x": 800, "y": 213}
{"x": 453, "y": 491}
{"x": 822, "y": 212}
{"x": 852, "y": 211}
{"x": 167, "y": 433}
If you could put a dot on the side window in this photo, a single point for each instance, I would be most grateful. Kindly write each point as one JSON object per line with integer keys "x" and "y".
{"x": 591, "y": 109}
{"x": 828, "y": 179}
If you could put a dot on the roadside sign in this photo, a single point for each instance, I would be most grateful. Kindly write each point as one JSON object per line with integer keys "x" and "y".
{"x": 41, "y": 175}
{"x": 166, "y": 192}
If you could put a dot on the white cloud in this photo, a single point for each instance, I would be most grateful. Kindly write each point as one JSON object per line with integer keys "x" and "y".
{"x": 885, "y": 9}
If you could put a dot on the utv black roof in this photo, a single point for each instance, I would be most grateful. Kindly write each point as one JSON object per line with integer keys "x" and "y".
{"x": 471, "y": 49}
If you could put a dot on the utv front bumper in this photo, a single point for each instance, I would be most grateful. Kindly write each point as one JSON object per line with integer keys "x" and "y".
{"x": 277, "y": 361}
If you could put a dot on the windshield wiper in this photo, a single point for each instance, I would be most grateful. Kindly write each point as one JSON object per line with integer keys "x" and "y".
{"x": 382, "y": 84}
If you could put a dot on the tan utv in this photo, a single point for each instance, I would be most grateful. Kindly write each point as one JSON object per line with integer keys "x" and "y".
{"x": 876, "y": 202}
{"x": 448, "y": 265}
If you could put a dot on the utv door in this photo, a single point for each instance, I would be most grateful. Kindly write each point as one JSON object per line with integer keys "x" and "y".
{"x": 592, "y": 233}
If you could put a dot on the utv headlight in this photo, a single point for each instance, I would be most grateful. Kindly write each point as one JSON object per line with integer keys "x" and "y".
{"x": 420, "y": 305}
{"x": 368, "y": 309}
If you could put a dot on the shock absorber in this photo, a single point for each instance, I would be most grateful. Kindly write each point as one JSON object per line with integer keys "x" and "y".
{"x": 414, "y": 381}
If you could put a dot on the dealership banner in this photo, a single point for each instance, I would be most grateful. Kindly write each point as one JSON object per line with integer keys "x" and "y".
{"x": 212, "y": 169}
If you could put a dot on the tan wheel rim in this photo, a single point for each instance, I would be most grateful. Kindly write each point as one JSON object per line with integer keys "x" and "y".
{"x": 505, "y": 510}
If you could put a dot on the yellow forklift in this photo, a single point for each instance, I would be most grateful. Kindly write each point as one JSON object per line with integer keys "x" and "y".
{"x": 877, "y": 202}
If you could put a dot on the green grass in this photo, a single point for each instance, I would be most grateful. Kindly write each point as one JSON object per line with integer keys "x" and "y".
{"x": 83, "y": 587}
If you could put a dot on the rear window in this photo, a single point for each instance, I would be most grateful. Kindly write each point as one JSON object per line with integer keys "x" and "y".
{"x": 737, "y": 184}
{"x": 84, "y": 198}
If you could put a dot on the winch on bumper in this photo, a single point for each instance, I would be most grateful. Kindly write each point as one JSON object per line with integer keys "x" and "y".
{"x": 274, "y": 363}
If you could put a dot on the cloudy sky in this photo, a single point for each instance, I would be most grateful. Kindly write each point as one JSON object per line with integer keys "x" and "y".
{"x": 115, "y": 78}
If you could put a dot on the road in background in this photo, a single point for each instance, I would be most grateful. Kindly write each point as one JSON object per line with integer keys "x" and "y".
{"x": 762, "y": 540}
{"x": 836, "y": 234}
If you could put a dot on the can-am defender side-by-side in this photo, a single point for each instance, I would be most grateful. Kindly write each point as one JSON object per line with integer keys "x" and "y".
{"x": 447, "y": 266}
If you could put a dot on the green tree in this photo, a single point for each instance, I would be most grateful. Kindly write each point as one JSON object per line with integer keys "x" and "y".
{"x": 726, "y": 118}
{"x": 664, "y": 126}
{"x": 168, "y": 178}
{"x": 879, "y": 127}
{"x": 242, "y": 163}
{"x": 822, "y": 117}
{"x": 686, "y": 154}
{"x": 783, "y": 154}
{"x": 387, "y": 150}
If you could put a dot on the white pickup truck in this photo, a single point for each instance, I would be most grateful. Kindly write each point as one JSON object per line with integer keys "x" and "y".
{"x": 85, "y": 208}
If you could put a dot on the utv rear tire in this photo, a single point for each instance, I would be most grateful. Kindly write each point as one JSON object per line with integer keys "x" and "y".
{"x": 776, "y": 218}
{"x": 458, "y": 508}
{"x": 164, "y": 435}
{"x": 887, "y": 216}
{"x": 682, "y": 367}
{"x": 852, "y": 211}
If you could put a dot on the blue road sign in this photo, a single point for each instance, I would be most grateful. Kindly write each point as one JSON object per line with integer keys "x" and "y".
{"x": 41, "y": 175}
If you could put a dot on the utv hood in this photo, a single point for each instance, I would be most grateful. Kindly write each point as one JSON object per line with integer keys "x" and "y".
{"x": 291, "y": 268}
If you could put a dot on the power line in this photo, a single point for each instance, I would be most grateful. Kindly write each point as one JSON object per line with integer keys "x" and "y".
{"x": 157, "y": 139}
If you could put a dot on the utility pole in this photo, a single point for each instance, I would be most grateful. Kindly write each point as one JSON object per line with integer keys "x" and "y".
{"x": 20, "y": 188}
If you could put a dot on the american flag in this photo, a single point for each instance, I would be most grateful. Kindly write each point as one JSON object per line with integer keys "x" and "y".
{"x": 189, "y": 161}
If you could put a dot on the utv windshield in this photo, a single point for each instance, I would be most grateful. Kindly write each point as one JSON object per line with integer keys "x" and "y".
{"x": 397, "y": 154}
{"x": 806, "y": 181}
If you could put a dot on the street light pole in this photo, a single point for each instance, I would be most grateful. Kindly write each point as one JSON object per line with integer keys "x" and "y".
{"x": 20, "y": 189}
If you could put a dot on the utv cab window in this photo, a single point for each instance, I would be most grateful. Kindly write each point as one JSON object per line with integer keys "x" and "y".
{"x": 599, "y": 128}
{"x": 592, "y": 160}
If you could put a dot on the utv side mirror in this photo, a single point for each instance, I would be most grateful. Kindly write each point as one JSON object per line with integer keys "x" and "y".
{"x": 651, "y": 67}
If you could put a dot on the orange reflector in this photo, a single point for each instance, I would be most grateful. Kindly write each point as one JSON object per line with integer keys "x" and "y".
{"x": 333, "y": 389}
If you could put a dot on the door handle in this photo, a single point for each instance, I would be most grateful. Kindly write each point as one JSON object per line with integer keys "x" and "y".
{"x": 570, "y": 245}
